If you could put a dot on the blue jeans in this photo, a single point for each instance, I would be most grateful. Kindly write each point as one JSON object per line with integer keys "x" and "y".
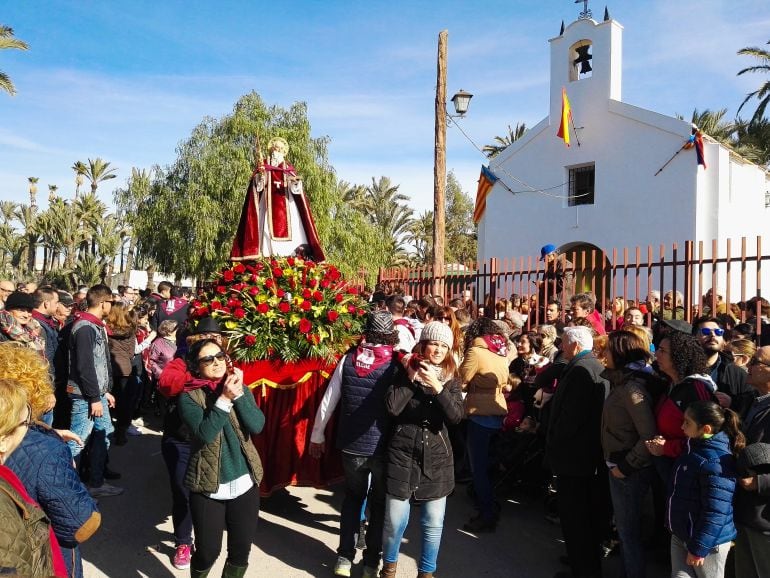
{"x": 627, "y": 500}
{"x": 357, "y": 484}
{"x": 95, "y": 433}
{"x": 431, "y": 525}
{"x": 479, "y": 438}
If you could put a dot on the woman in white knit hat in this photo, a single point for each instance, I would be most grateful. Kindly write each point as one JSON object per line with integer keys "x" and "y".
{"x": 420, "y": 461}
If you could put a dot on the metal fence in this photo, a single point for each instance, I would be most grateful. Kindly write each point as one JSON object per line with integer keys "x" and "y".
{"x": 733, "y": 267}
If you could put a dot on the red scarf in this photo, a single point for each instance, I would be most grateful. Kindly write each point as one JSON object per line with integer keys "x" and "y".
{"x": 199, "y": 382}
{"x": 369, "y": 357}
{"x": 59, "y": 568}
{"x": 496, "y": 344}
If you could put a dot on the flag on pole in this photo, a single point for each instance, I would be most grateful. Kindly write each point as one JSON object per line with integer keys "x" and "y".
{"x": 566, "y": 117}
{"x": 487, "y": 180}
{"x": 699, "y": 149}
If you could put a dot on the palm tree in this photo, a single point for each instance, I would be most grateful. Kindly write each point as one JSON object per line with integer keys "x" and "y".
{"x": 97, "y": 171}
{"x": 421, "y": 236}
{"x": 7, "y": 212}
{"x": 8, "y": 41}
{"x": 52, "y": 192}
{"x": 387, "y": 210}
{"x": 80, "y": 171}
{"x": 713, "y": 123}
{"x": 128, "y": 201}
{"x": 32, "y": 189}
{"x": 762, "y": 94}
{"x": 27, "y": 216}
{"x": 753, "y": 140}
{"x": 503, "y": 142}
{"x": 89, "y": 211}
{"x": 108, "y": 238}
{"x": 66, "y": 231}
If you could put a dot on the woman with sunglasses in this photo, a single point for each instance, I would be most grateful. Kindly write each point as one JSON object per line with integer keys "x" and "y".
{"x": 446, "y": 316}
{"x": 225, "y": 470}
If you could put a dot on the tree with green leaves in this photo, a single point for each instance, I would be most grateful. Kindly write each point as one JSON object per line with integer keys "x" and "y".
{"x": 96, "y": 171}
{"x": 460, "y": 231}
{"x": 762, "y": 94}
{"x": 128, "y": 200}
{"x": 80, "y": 175}
{"x": 503, "y": 142}
{"x": 189, "y": 220}
{"x": 8, "y": 41}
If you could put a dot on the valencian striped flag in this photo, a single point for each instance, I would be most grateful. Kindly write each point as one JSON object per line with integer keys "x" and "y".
{"x": 566, "y": 117}
{"x": 487, "y": 180}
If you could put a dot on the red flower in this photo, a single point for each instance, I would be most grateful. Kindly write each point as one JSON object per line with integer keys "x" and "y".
{"x": 253, "y": 291}
{"x": 305, "y": 305}
{"x": 292, "y": 282}
{"x": 338, "y": 297}
{"x": 361, "y": 312}
{"x": 351, "y": 308}
{"x": 290, "y": 261}
{"x": 221, "y": 289}
{"x": 273, "y": 263}
{"x": 233, "y": 302}
{"x": 305, "y": 326}
{"x": 215, "y": 305}
{"x": 313, "y": 283}
{"x": 253, "y": 278}
{"x": 284, "y": 307}
{"x": 226, "y": 310}
{"x": 318, "y": 296}
{"x": 196, "y": 303}
{"x": 202, "y": 311}
{"x": 325, "y": 283}
{"x": 353, "y": 290}
{"x": 263, "y": 308}
{"x": 258, "y": 267}
{"x": 249, "y": 340}
{"x": 228, "y": 275}
{"x": 269, "y": 283}
{"x": 332, "y": 316}
{"x": 314, "y": 339}
{"x": 333, "y": 274}
{"x": 277, "y": 272}
{"x": 280, "y": 293}
{"x": 239, "y": 268}
{"x": 239, "y": 313}
{"x": 307, "y": 294}
{"x": 238, "y": 287}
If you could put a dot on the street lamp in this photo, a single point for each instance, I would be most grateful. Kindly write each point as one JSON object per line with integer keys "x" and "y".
{"x": 461, "y": 100}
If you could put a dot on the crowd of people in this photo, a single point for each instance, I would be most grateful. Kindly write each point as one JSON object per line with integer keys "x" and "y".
{"x": 607, "y": 408}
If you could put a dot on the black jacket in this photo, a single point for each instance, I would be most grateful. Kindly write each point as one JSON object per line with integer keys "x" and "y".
{"x": 573, "y": 443}
{"x": 731, "y": 380}
{"x": 420, "y": 461}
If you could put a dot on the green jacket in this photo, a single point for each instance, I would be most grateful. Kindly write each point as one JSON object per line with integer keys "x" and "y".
{"x": 25, "y": 540}
{"x": 222, "y": 450}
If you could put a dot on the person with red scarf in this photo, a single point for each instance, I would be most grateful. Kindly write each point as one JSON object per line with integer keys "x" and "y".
{"x": 225, "y": 470}
{"x": 28, "y": 546}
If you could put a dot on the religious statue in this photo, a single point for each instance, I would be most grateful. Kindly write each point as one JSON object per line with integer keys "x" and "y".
{"x": 276, "y": 218}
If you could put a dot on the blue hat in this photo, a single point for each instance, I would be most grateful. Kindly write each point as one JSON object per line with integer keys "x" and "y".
{"x": 547, "y": 250}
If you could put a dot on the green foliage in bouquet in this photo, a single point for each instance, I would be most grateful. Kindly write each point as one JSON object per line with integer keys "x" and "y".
{"x": 284, "y": 308}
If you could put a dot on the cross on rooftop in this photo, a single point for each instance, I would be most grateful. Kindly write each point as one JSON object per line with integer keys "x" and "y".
{"x": 586, "y": 13}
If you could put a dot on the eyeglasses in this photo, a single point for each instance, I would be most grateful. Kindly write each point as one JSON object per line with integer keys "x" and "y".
{"x": 755, "y": 361}
{"x": 6, "y": 290}
{"x": 27, "y": 422}
{"x": 209, "y": 359}
{"x": 706, "y": 332}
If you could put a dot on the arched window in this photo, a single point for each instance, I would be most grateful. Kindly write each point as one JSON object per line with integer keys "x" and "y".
{"x": 580, "y": 60}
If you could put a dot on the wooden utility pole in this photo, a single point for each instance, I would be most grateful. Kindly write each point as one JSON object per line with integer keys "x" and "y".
{"x": 439, "y": 168}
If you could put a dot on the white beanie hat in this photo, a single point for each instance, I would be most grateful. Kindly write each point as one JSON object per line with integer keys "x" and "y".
{"x": 437, "y": 331}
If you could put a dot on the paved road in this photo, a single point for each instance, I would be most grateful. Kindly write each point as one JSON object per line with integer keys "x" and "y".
{"x": 297, "y": 533}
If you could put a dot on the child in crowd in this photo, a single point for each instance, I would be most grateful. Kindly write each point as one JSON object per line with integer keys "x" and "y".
{"x": 700, "y": 503}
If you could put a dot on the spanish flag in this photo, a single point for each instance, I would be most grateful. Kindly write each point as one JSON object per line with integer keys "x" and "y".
{"x": 566, "y": 117}
{"x": 487, "y": 180}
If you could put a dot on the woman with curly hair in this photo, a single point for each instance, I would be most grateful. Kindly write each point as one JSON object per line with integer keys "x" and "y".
{"x": 484, "y": 374}
{"x": 681, "y": 358}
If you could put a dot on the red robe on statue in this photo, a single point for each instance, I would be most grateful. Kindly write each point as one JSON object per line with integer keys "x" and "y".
{"x": 266, "y": 217}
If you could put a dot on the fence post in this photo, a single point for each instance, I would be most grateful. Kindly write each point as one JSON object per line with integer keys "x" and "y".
{"x": 493, "y": 272}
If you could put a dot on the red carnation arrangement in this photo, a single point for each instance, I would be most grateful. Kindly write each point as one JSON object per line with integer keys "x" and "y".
{"x": 284, "y": 308}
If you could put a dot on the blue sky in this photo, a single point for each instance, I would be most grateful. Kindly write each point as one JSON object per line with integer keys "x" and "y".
{"x": 127, "y": 80}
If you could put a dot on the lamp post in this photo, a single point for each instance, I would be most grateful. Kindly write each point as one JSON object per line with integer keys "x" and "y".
{"x": 460, "y": 102}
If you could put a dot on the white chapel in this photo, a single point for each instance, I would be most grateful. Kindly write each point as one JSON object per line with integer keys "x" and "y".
{"x": 604, "y": 193}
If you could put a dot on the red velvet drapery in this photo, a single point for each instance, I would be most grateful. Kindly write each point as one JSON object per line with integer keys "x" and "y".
{"x": 289, "y": 395}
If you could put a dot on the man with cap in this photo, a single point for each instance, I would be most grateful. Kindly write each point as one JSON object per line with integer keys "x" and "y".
{"x": 359, "y": 383}
{"x": 17, "y": 323}
{"x": 557, "y": 277}
{"x": 64, "y": 308}
{"x": 175, "y": 444}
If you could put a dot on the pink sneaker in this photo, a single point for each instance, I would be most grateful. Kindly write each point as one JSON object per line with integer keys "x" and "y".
{"x": 182, "y": 557}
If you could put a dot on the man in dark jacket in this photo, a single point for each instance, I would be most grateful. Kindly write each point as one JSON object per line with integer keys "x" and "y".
{"x": 46, "y": 303}
{"x": 359, "y": 382}
{"x": 732, "y": 389}
{"x": 557, "y": 281}
{"x": 175, "y": 307}
{"x": 752, "y": 498}
{"x": 574, "y": 454}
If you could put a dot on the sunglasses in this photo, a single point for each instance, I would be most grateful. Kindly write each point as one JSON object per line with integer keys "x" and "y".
{"x": 755, "y": 361}
{"x": 706, "y": 332}
{"x": 209, "y": 359}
